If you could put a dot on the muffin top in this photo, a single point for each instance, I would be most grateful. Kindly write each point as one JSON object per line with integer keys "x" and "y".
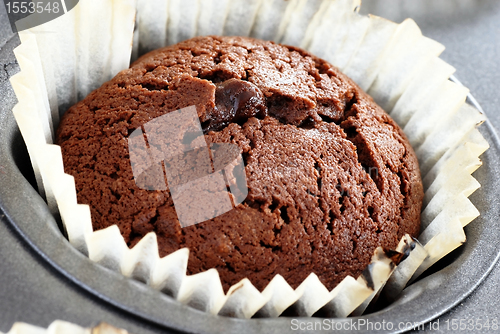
{"x": 330, "y": 175}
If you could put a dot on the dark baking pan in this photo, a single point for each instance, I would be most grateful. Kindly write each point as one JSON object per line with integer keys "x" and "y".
{"x": 140, "y": 307}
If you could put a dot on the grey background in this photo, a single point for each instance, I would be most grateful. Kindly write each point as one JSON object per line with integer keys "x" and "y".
{"x": 470, "y": 30}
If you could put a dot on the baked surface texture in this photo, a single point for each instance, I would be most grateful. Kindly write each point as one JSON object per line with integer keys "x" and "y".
{"x": 330, "y": 175}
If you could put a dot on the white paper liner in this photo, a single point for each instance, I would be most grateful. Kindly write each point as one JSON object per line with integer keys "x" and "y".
{"x": 241, "y": 16}
{"x": 33, "y": 80}
{"x": 279, "y": 296}
{"x": 104, "y": 328}
{"x": 346, "y": 297}
{"x": 414, "y": 255}
{"x": 212, "y": 17}
{"x": 170, "y": 272}
{"x": 243, "y": 300}
{"x": 376, "y": 276}
{"x": 63, "y": 327}
{"x": 355, "y": 33}
{"x": 384, "y": 58}
{"x": 435, "y": 109}
{"x": 203, "y": 291}
{"x": 268, "y": 19}
{"x": 327, "y": 28}
{"x": 312, "y": 296}
{"x": 447, "y": 135}
{"x": 407, "y": 54}
{"x": 352, "y": 297}
{"x": 294, "y": 24}
{"x": 21, "y": 328}
{"x": 25, "y": 115}
{"x": 151, "y": 34}
{"x": 182, "y": 20}
{"x": 418, "y": 94}
{"x": 364, "y": 64}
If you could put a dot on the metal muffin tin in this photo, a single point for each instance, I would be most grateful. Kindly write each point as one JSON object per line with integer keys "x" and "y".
{"x": 142, "y": 308}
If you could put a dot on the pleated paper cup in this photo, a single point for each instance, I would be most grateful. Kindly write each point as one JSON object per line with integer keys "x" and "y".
{"x": 63, "y": 327}
{"x": 65, "y": 59}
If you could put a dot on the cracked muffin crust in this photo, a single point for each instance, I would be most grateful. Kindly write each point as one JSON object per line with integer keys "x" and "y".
{"x": 330, "y": 175}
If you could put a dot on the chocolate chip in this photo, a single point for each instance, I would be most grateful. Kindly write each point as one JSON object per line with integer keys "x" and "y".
{"x": 236, "y": 101}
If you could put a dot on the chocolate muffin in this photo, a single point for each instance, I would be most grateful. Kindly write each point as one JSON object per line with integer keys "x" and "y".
{"x": 330, "y": 175}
